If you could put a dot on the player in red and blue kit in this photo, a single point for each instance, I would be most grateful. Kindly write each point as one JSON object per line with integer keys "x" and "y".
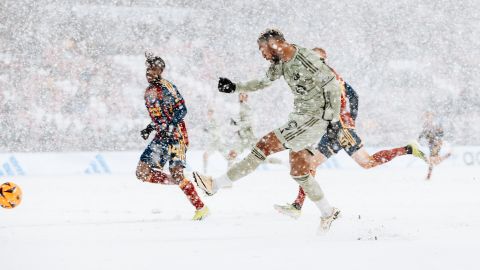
{"x": 167, "y": 110}
{"x": 343, "y": 136}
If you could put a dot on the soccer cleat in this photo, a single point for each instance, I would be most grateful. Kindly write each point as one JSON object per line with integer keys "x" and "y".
{"x": 201, "y": 213}
{"x": 417, "y": 152}
{"x": 204, "y": 182}
{"x": 272, "y": 160}
{"x": 289, "y": 210}
{"x": 326, "y": 222}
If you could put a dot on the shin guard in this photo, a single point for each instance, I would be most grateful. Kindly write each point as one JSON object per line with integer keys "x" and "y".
{"x": 247, "y": 165}
{"x": 310, "y": 186}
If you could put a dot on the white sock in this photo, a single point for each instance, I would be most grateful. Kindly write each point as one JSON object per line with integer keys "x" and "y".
{"x": 324, "y": 206}
{"x": 221, "y": 182}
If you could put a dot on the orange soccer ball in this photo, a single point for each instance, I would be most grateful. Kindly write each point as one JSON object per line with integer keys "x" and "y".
{"x": 10, "y": 195}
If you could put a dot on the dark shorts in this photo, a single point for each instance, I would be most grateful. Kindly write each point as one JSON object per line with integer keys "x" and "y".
{"x": 159, "y": 151}
{"x": 347, "y": 140}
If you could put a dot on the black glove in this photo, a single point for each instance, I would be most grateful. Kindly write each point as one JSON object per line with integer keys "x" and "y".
{"x": 146, "y": 132}
{"x": 226, "y": 86}
{"x": 332, "y": 130}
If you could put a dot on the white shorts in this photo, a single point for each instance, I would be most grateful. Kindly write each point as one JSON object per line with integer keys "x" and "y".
{"x": 301, "y": 132}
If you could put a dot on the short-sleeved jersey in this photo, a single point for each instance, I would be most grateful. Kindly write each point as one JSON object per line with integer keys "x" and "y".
{"x": 307, "y": 76}
{"x": 166, "y": 108}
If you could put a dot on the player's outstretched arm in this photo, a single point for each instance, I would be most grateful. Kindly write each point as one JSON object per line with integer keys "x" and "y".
{"x": 227, "y": 86}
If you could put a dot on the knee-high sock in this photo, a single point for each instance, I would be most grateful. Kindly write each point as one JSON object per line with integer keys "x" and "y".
{"x": 247, "y": 165}
{"x": 310, "y": 186}
{"x": 384, "y": 156}
{"x": 298, "y": 203}
{"x": 314, "y": 193}
{"x": 189, "y": 189}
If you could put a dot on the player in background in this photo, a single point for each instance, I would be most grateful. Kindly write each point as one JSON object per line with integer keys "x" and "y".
{"x": 433, "y": 133}
{"x": 345, "y": 137}
{"x": 316, "y": 105}
{"x": 214, "y": 137}
{"x": 167, "y": 110}
{"x": 246, "y": 138}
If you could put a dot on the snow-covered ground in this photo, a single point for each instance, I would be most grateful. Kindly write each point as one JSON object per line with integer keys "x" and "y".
{"x": 392, "y": 219}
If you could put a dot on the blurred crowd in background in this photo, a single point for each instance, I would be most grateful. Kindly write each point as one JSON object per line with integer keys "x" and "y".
{"x": 72, "y": 72}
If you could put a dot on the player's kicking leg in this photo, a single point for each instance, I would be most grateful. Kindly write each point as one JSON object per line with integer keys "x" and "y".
{"x": 267, "y": 145}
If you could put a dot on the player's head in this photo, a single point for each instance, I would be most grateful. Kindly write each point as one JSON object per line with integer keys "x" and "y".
{"x": 242, "y": 97}
{"x": 270, "y": 43}
{"x": 155, "y": 66}
{"x": 321, "y": 52}
{"x": 428, "y": 116}
{"x": 210, "y": 111}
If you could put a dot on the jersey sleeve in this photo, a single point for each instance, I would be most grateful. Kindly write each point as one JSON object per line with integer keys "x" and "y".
{"x": 352, "y": 100}
{"x": 322, "y": 76}
{"x": 273, "y": 73}
{"x": 332, "y": 97}
{"x": 179, "y": 109}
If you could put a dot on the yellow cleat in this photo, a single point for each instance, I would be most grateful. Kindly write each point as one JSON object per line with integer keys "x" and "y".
{"x": 416, "y": 152}
{"x": 201, "y": 213}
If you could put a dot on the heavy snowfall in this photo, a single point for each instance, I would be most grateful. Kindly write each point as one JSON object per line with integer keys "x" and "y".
{"x": 72, "y": 83}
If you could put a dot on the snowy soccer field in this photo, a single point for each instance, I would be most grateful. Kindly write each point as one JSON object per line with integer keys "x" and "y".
{"x": 391, "y": 219}
{"x": 80, "y": 82}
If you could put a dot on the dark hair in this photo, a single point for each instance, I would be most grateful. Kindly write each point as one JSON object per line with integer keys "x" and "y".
{"x": 152, "y": 60}
{"x": 270, "y": 33}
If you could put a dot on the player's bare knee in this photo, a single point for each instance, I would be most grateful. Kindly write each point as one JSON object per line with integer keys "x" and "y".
{"x": 262, "y": 146}
{"x": 143, "y": 171}
{"x": 177, "y": 173}
{"x": 269, "y": 144}
{"x": 143, "y": 176}
{"x": 296, "y": 171}
{"x": 365, "y": 165}
{"x": 370, "y": 163}
{"x": 300, "y": 163}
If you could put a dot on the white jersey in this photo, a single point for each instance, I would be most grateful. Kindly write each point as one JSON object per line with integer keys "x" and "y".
{"x": 314, "y": 86}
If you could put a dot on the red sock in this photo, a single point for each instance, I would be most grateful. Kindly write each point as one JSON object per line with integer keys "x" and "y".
{"x": 300, "y": 198}
{"x": 158, "y": 177}
{"x": 386, "y": 155}
{"x": 192, "y": 195}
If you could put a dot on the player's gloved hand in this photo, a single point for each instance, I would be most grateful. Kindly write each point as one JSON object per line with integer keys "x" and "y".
{"x": 146, "y": 131}
{"x": 226, "y": 86}
{"x": 332, "y": 130}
